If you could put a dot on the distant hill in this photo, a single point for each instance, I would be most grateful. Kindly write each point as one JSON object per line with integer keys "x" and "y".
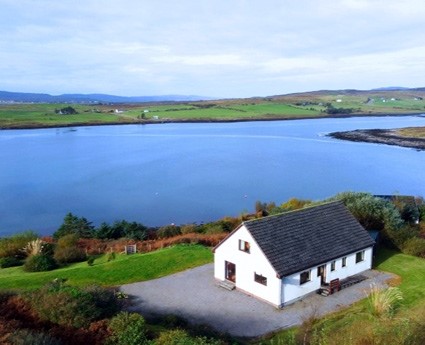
{"x": 391, "y": 88}
{"x": 6, "y": 96}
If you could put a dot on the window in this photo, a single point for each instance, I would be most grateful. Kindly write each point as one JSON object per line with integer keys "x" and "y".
{"x": 360, "y": 256}
{"x": 305, "y": 277}
{"x": 244, "y": 246}
{"x": 344, "y": 261}
{"x": 333, "y": 265}
{"x": 260, "y": 279}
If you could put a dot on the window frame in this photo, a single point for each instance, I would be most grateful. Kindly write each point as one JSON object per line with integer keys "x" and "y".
{"x": 260, "y": 279}
{"x": 307, "y": 278}
{"x": 344, "y": 262}
{"x": 244, "y": 246}
{"x": 333, "y": 265}
{"x": 360, "y": 256}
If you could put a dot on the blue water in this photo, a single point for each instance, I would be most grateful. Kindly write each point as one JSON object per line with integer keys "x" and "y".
{"x": 179, "y": 173}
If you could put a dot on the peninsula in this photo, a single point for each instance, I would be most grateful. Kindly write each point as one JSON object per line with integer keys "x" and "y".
{"x": 412, "y": 137}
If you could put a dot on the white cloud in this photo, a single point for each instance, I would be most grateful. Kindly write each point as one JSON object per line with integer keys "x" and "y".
{"x": 221, "y": 48}
{"x": 201, "y": 60}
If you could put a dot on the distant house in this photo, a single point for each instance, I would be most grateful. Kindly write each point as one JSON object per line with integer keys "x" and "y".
{"x": 282, "y": 258}
{"x": 339, "y": 100}
{"x": 118, "y": 111}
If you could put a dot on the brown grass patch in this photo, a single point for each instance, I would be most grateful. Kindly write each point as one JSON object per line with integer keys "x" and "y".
{"x": 394, "y": 281}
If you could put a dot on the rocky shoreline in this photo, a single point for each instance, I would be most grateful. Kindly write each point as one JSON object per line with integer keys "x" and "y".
{"x": 380, "y": 136}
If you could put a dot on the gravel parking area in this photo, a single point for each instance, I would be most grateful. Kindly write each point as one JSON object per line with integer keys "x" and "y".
{"x": 195, "y": 295}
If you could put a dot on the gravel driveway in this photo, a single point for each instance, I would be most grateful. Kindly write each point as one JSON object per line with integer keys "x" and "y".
{"x": 194, "y": 295}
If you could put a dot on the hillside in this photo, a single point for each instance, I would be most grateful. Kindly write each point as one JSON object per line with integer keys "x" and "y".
{"x": 41, "y": 110}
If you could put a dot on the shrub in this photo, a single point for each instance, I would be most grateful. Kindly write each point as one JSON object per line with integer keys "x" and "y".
{"x": 415, "y": 246}
{"x": 214, "y": 229}
{"x": 29, "y": 337}
{"x": 128, "y": 329}
{"x": 111, "y": 256}
{"x": 181, "y": 337}
{"x": 39, "y": 263}
{"x": 188, "y": 229}
{"x": 90, "y": 260}
{"x": 72, "y": 306}
{"x": 397, "y": 238}
{"x": 12, "y": 246}
{"x": 10, "y": 261}
{"x": 168, "y": 231}
{"x": 67, "y": 250}
{"x": 105, "y": 300}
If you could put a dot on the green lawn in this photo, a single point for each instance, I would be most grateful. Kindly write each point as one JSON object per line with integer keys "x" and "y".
{"x": 412, "y": 272}
{"x": 124, "y": 269}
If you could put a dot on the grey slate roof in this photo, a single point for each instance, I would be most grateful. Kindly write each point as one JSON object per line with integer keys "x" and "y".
{"x": 298, "y": 240}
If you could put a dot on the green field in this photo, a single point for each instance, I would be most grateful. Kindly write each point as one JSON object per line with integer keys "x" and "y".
{"x": 124, "y": 269}
{"x": 302, "y": 105}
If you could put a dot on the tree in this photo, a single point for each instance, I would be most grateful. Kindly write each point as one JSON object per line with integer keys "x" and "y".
{"x": 371, "y": 212}
{"x": 74, "y": 225}
{"x": 66, "y": 111}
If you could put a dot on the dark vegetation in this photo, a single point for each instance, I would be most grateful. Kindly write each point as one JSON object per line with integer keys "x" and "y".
{"x": 60, "y": 313}
{"x": 66, "y": 111}
{"x": 404, "y": 137}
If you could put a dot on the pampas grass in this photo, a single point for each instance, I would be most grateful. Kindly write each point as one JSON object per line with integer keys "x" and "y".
{"x": 384, "y": 302}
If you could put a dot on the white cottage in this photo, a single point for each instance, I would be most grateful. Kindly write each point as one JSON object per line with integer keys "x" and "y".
{"x": 282, "y": 258}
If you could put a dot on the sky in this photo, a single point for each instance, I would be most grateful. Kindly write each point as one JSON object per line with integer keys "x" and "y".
{"x": 212, "y": 48}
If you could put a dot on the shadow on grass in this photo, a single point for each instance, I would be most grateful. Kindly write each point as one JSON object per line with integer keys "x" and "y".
{"x": 382, "y": 255}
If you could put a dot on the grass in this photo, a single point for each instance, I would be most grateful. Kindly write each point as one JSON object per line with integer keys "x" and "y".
{"x": 307, "y": 105}
{"x": 124, "y": 269}
{"x": 357, "y": 325}
{"x": 412, "y": 132}
{"x": 411, "y": 269}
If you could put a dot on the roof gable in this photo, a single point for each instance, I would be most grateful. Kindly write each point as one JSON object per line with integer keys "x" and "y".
{"x": 301, "y": 239}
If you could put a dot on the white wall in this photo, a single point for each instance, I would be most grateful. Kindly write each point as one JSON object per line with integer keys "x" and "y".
{"x": 246, "y": 265}
{"x": 292, "y": 290}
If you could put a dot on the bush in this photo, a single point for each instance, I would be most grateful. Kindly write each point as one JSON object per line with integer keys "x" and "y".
{"x": 188, "y": 229}
{"x": 181, "y": 337}
{"x": 10, "y": 261}
{"x": 111, "y": 256}
{"x": 68, "y": 255}
{"x": 168, "y": 231}
{"x": 415, "y": 246}
{"x": 12, "y": 246}
{"x": 29, "y": 337}
{"x": 397, "y": 238}
{"x": 39, "y": 263}
{"x": 72, "y": 306}
{"x": 128, "y": 329}
{"x": 105, "y": 300}
{"x": 67, "y": 250}
{"x": 90, "y": 260}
